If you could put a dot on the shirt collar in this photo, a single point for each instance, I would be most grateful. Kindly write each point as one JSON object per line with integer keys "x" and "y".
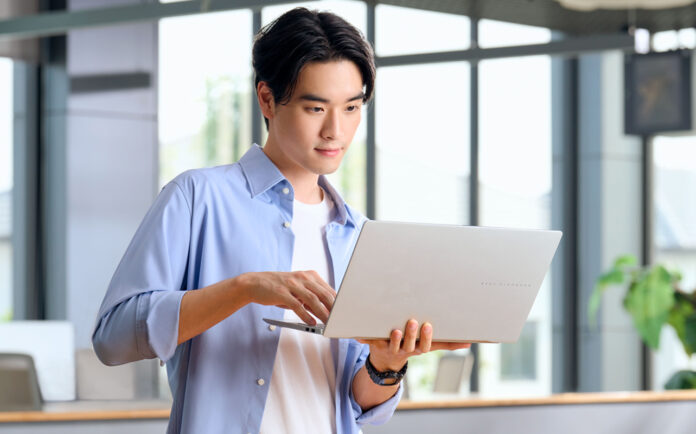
{"x": 262, "y": 174}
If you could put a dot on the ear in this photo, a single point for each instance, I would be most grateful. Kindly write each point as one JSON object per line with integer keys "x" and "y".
{"x": 265, "y": 98}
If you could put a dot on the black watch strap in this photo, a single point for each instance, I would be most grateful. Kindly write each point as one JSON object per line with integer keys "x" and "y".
{"x": 386, "y": 378}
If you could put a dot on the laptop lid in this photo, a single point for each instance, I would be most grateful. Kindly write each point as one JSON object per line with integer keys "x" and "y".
{"x": 474, "y": 284}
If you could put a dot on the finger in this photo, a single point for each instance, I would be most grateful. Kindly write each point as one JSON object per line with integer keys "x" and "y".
{"x": 311, "y": 301}
{"x": 317, "y": 278}
{"x": 426, "y": 337}
{"x": 297, "y": 307}
{"x": 410, "y": 336}
{"x": 324, "y": 292}
{"x": 395, "y": 341}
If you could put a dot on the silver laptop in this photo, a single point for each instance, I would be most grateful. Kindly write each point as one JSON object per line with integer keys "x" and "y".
{"x": 473, "y": 284}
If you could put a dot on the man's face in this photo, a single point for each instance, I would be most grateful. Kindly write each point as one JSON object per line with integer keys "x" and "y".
{"x": 312, "y": 132}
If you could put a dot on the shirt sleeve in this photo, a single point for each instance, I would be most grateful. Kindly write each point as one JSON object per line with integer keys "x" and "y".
{"x": 378, "y": 414}
{"x": 139, "y": 317}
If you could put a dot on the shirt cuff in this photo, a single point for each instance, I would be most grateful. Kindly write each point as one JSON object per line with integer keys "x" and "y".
{"x": 378, "y": 414}
{"x": 161, "y": 322}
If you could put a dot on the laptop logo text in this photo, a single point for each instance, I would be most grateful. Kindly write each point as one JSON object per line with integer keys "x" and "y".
{"x": 510, "y": 284}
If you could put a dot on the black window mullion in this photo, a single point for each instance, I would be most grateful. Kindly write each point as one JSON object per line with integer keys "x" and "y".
{"x": 474, "y": 172}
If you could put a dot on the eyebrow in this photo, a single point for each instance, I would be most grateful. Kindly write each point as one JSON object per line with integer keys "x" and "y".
{"x": 312, "y": 97}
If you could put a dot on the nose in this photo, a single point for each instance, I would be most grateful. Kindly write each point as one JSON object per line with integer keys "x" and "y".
{"x": 331, "y": 130}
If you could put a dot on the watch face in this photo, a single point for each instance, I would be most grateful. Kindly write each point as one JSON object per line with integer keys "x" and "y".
{"x": 390, "y": 381}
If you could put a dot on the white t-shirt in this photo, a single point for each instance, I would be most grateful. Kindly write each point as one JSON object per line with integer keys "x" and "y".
{"x": 301, "y": 395}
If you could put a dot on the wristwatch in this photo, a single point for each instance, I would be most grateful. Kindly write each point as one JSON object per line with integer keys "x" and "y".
{"x": 386, "y": 378}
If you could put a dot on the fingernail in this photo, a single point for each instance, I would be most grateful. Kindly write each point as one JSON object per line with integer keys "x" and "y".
{"x": 427, "y": 328}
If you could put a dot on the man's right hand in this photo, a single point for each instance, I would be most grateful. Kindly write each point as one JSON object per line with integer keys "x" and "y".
{"x": 304, "y": 292}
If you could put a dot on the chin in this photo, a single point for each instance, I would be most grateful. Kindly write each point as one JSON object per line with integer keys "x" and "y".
{"x": 326, "y": 167}
{"x": 326, "y": 170}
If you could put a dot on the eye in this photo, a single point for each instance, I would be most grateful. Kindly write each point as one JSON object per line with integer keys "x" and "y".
{"x": 352, "y": 108}
{"x": 315, "y": 109}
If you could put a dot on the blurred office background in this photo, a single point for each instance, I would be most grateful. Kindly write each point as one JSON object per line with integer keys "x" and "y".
{"x": 486, "y": 113}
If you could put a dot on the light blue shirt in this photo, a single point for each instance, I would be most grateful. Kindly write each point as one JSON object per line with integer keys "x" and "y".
{"x": 208, "y": 225}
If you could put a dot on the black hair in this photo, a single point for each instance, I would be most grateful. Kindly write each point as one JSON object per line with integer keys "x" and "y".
{"x": 299, "y": 36}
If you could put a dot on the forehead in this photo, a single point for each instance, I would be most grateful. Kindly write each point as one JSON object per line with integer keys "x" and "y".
{"x": 334, "y": 80}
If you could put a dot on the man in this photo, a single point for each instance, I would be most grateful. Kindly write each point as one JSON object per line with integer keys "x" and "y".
{"x": 222, "y": 248}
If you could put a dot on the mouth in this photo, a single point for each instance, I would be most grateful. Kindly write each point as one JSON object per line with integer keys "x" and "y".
{"x": 328, "y": 152}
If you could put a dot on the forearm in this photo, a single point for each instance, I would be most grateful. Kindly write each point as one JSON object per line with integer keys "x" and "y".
{"x": 203, "y": 308}
{"x": 368, "y": 394}
{"x": 115, "y": 337}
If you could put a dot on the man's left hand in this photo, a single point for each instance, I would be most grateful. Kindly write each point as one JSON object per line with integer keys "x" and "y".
{"x": 392, "y": 354}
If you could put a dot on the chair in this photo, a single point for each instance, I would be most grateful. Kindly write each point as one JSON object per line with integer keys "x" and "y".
{"x": 19, "y": 385}
{"x": 452, "y": 370}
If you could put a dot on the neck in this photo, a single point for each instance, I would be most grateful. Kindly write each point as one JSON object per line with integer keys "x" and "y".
{"x": 304, "y": 183}
{"x": 306, "y": 190}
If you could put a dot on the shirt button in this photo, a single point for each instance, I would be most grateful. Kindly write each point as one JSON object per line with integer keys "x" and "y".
{"x": 286, "y": 224}
{"x": 260, "y": 382}
{"x": 286, "y": 190}
{"x": 271, "y": 327}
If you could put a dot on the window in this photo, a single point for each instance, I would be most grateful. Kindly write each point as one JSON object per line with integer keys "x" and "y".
{"x": 422, "y": 140}
{"x": 500, "y": 34}
{"x": 519, "y": 361}
{"x": 352, "y": 11}
{"x": 400, "y": 30}
{"x": 205, "y": 90}
{"x": 515, "y": 191}
{"x": 6, "y": 183}
{"x": 674, "y": 232}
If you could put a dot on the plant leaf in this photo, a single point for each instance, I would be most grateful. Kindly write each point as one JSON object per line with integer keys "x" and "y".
{"x": 649, "y": 302}
{"x": 612, "y": 277}
{"x": 681, "y": 310}
{"x": 689, "y": 340}
{"x": 682, "y": 380}
{"x": 625, "y": 261}
{"x": 593, "y": 304}
{"x": 7, "y": 316}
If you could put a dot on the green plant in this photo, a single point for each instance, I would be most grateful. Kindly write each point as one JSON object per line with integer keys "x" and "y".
{"x": 653, "y": 299}
{"x": 7, "y": 316}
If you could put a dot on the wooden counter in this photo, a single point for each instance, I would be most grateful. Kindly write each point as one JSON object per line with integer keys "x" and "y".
{"x": 91, "y": 410}
{"x": 126, "y": 410}
{"x": 559, "y": 399}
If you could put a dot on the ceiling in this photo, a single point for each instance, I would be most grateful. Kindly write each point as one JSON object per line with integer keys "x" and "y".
{"x": 551, "y": 14}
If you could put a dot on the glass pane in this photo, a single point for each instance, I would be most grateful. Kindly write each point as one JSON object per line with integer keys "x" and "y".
{"x": 205, "y": 90}
{"x": 675, "y": 190}
{"x": 6, "y": 183}
{"x": 422, "y": 139}
{"x": 500, "y": 34}
{"x": 674, "y": 232}
{"x": 515, "y": 191}
{"x": 351, "y": 11}
{"x": 400, "y": 30}
{"x": 518, "y": 362}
